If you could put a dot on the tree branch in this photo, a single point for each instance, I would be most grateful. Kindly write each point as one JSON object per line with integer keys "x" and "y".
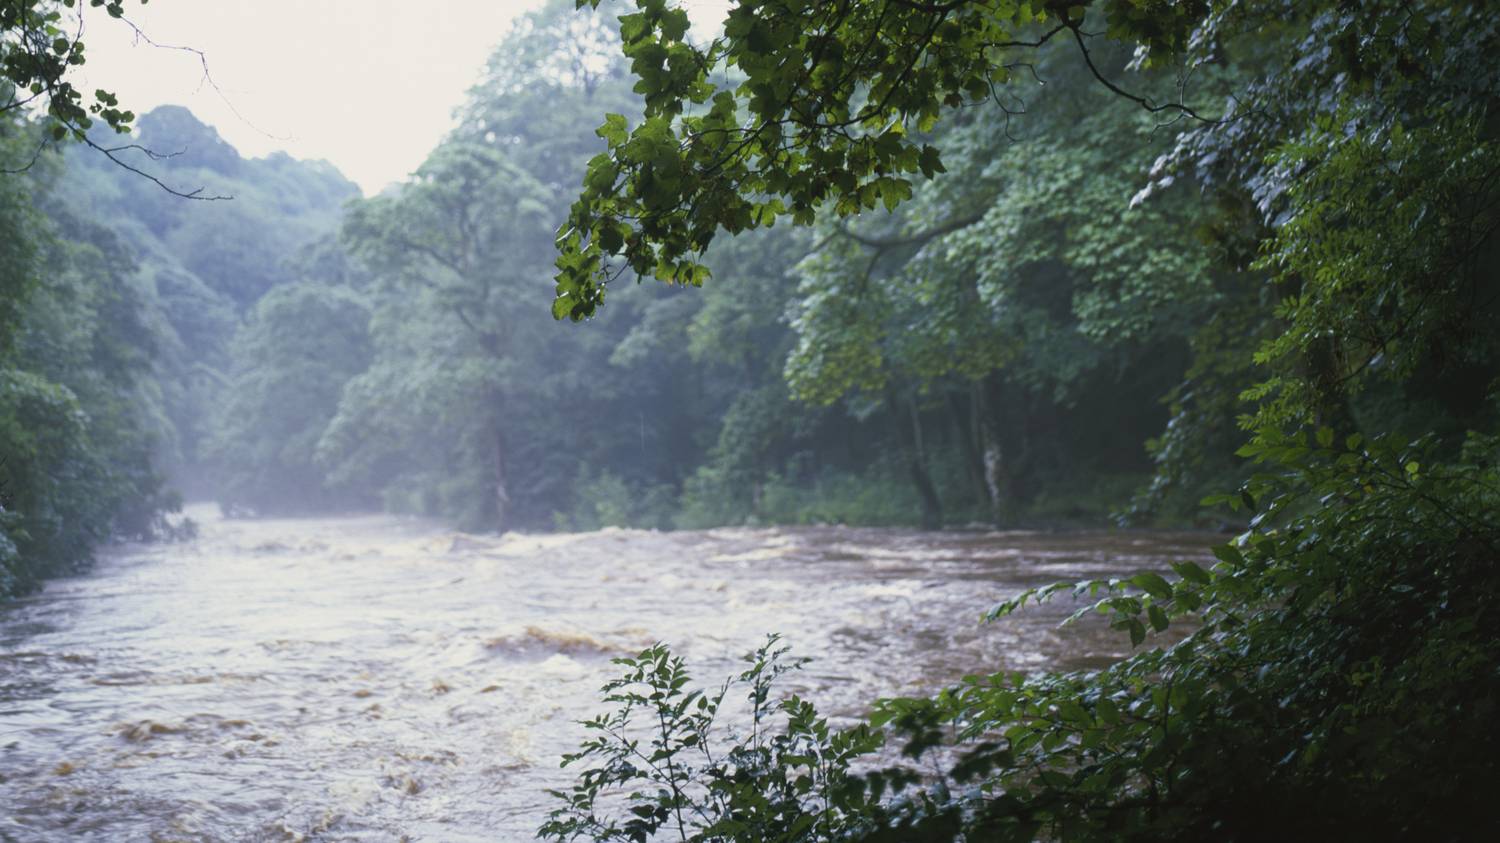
{"x": 913, "y": 239}
{"x": 109, "y": 153}
{"x": 1143, "y": 102}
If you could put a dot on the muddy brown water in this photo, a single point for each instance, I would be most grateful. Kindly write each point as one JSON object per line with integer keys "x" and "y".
{"x": 378, "y": 678}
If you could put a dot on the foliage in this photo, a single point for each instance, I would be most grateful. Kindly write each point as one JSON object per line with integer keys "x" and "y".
{"x": 1365, "y": 194}
{"x": 783, "y": 776}
{"x": 40, "y": 42}
{"x": 118, "y": 306}
{"x": 462, "y": 392}
{"x": 470, "y": 408}
{"x": 41, "y": 49}
{"x": 452, "y": 246}
{"x": 604, "y": 499}
{"x": 79, "y": 413}
{"x": 292, "y": 357}
{"x": 207, "y": 264}
{"x": 1333, "y": 665}
{"x": 841, "y": 125}
{"x": 1021, "y": 281}
{"x": 1333, "y": 660}
{"x": 1085, "y": 281}
{"x": 51, "y": 518}
{"x": 1333, "y": 674}
{"x": 1392, "y": 267}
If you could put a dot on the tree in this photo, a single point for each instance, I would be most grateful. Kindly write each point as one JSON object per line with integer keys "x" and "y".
{"x": 471, "y": 409}
{"x": 79, "y": 410}
{"x": 458, "y": 239}
{"x": 207, "y": 264}
{"x": 1021, "y": 280}
{"x": 291, "y": 359}
{"x": 41, "y": 41}
{"x": 1353, "y": 195}
{"x": 830, "y": 106}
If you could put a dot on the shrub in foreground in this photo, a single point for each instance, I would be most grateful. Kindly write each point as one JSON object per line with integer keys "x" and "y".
{"x": 1341, "y": 680}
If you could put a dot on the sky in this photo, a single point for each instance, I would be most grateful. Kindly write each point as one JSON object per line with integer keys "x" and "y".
{"x": 370, "y": 85}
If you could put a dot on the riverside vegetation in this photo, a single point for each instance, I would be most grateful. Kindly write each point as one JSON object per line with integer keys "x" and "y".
{"x": 1048, "y": 260}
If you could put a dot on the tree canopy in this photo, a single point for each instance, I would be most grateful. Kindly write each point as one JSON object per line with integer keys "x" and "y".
{"x": 801, "y": 104}
{"x": 1317, "y": 227}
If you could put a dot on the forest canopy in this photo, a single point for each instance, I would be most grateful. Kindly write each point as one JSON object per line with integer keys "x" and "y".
{"x": 1323, "y": 236}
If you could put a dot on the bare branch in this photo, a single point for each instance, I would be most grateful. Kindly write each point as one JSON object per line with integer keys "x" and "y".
{"x": 149, "y": 153}
{"x": 913, "y": 239}
{"x": 1143, "y": 102}
{"x": 110, "y": 154}
{"x": 208, "y": 79}
{"x": 35, "y": 155}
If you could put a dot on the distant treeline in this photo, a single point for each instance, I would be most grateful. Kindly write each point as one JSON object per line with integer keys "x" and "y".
{"x": 118, "y": 305}
{"x": 414, "y": 367}
{"x": 1014, "y": 344}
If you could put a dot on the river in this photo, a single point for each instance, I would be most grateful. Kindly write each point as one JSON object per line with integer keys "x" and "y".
{"x": 378, "y": 678}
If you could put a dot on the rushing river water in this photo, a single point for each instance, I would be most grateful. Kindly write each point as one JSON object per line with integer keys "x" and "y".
{"x": 373, "y": 678}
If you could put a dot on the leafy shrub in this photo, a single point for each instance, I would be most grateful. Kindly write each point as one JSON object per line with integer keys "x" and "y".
{"x": 710, "y": 500}
{"x": 59, "y": 497}
{"x": 874, "y": 497}
{"x": 877, "y": 496}
{"x": 603, "y": 500}
{"x": 1338, "y": 680}
{"x": 662, "y": 761}
{"x": 608, "y": 500}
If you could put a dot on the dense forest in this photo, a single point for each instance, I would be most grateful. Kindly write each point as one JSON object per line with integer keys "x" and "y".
{"x": 1223, "y": 264}
{"x": 292, "y": 348}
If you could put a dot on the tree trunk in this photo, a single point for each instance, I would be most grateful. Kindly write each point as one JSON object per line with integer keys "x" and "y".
{"x": 1330, "y": 401}
{"x": 502, "y": 491}
{"x": 965, "y": 419}
{"x": 932, "y": 507}
{"x": 988, "y": 401}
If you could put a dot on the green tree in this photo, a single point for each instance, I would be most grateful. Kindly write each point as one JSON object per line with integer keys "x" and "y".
{"x": 291, "y": 359}
{"x": 1336, "y": 677}
{"x": 470, "y": 409}
{"x": 456, "y": 242}
{"x": 1021, "y": 282}
{"x": 209, "y": 262}
{"x": 41, "y": 43}
{"x": 79, "y": 408}
{"x": 829, "y": 107}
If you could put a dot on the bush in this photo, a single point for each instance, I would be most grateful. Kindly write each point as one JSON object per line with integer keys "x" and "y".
{"x": 1338, "y": 681}
{"x": 709, "y": 499}
{"x": 786, "y": 777}
{"x": 608, "y": 500}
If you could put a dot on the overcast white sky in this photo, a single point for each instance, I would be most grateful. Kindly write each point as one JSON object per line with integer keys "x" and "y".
{"x": 370, "y": 85}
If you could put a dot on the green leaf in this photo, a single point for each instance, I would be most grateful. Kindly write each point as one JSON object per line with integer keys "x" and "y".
{"x": 1192, "y": 572}
{"x": 615, "y": 129}
{"x": 1107, "y": 711}
{"x": 1157, "y": 617}
{"x": 1228, "y": 553}
{"x": 1152, "y": 584}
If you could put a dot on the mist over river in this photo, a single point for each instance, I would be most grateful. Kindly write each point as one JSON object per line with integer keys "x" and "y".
{"x": 378, "y": 678}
